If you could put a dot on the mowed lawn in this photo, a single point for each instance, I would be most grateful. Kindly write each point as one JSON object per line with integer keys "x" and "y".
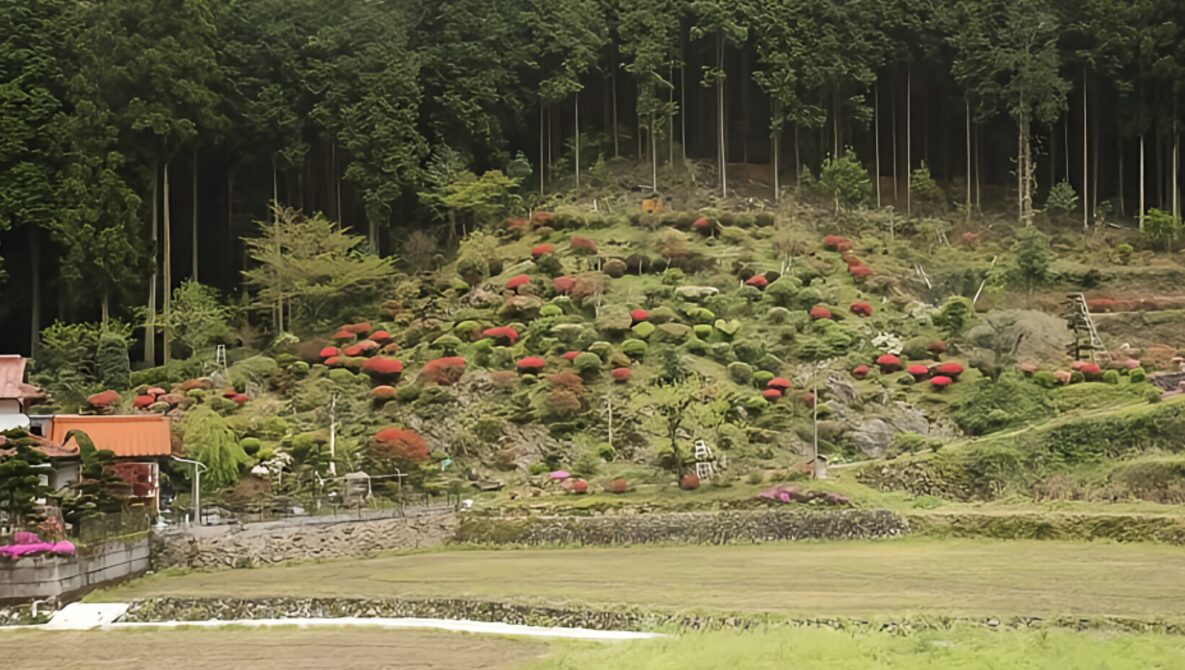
{"x": 913, "y": 576}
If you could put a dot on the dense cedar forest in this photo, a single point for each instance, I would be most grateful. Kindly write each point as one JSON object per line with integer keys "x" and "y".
{"x": 141, "y": 140}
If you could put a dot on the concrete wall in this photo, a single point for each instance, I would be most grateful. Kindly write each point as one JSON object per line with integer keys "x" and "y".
{"x": 58, "y": 577}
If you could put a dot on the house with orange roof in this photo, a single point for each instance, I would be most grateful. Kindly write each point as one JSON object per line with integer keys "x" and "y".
{"x": 16, "y": 396}
{"x": 139, "y": 442}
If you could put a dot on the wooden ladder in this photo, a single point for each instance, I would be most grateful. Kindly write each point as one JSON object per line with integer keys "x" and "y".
{"x": 1098, "y": 350}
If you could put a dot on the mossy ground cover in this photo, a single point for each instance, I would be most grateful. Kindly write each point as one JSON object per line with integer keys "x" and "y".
{"x": 963, "y": 578}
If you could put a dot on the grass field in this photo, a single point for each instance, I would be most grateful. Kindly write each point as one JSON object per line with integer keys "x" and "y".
{"x": 815, "y": 649}
{"x": 913, "y": 576}
{"x": 278, "y": 649}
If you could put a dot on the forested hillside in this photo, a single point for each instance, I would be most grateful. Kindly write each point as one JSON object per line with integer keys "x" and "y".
{"x": 142, "y": 139}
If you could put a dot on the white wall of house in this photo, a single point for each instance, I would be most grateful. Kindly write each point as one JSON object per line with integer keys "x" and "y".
{"x": 11, "y": 415}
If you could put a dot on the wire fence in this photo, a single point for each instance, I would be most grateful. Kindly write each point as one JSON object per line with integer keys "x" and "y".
{"x": 312, "y": 509}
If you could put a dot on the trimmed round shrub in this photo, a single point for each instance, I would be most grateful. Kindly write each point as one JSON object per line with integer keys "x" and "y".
{"x": 517, "y": 281}
{"x": 762, "y": 378}
{"x": 400, "y": 444}
{"x": 643, "y": 329}
{"x": 861, "y": 371}
{"x": 579, "y": 487}
{"x": 447, "y": 343}
{"x": 837, "y": 243}
{"x": 1137, "y": 376}
{"x": 819, "y": 312}
{"x": 888, "y": 363}
{"x": 587, "y": 362}
{"x": 937, "y": 347}
{"x": 741, "y": 373}
{"x": 383, "y": 393}
{"x": 563, "y": 284}
{"x": 771, "y": 394}
{"x": 505, "y": 335}
{"x": 689, "y": 481}
{"x": 703, "y": 331}
{"x": 635, "y": 349}
{"x": 383, "y": 370}
{"x": 551, "y": 310}
{"x": 343, "y": 335}
{"x": 861, "y": 308}
{"x": 1044, "y": 379}
{"x": 615, "y": 268}
{"x": 757, "y": 281}
{"x": 638, "y": 264}
{"x": 444, "y": 371}
{"x": 919, "y": 372}
{"x": 618, "y": 486}
{"x": 103, "y": 399}
{"x": 950, "y": 369}
{"x": 780, "y": 383}
{"x": 143, "y": 401}
{"x": 1111, "y": 377}
{"x": 530, "y": 364}
{"x": 638, "y": 315}
{"x": 543, "y": 249}
{"x": 582, "y": 245}
{"x": 940, "y": 382}
{"x": 328, "y": 352}
{"x": 860, "y": 272}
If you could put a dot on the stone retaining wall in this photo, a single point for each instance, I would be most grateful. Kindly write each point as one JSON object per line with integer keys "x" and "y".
{"x": 262, "y": 546}
{"x": 725, "y": 527}
{"x": 40, "y": 577}
{"x": 602, "y": 618}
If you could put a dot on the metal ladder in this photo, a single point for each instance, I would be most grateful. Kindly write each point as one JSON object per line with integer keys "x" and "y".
{"x": 1081, "y": 312}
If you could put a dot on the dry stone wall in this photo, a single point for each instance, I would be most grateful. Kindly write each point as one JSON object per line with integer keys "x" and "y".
{"x": 724, "y": 527}
{"x": 276, "y": 544}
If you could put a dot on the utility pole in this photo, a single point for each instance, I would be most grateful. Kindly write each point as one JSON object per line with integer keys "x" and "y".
{"x": 198, "y": 469}
{"x": 333, "y": 436}
{"x": 815, "y": 421}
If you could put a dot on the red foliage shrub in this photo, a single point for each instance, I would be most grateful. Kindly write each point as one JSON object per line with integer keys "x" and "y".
{"x": 143, "y": 401}
{"x": 542, "y": 250}
{"x": 1090, "y": 370}
{"x": 240, "y": 399}
{"x": 919, "y": 372}
{"x": 689, "y": 481}
{"x": 103, "y": 398}
{"x": 582, "y": 245}
{"x": 343, "y": 334}
{"x": 579, "y": 487}
{"x": 1062, "y": 377}
{"x": 541, "y": 218}
{"x": 367, "y": 347}
{"x": 562, "y": 402}
{"x": 936, "y": 347}
{"x": 352, "y": 351}
{"x": 383, "y": 368}
{"x": 780, "y": 383}
{"x": 620, "y": 375}
{"x": 570, "y": 355}
{"x": 329, "y": 351}
{"x": 517, "y": 281}
{"x": 808, "y": 399}
{"x": 155, "y": 391}
{"x": 702, "y": 226}
{"x": 888, "y": 363}
{"x": 861, "y": 371}
{"x": 503, "y": 379}
{"x": 1104, "y": 305}
{"x": 502, "y": 334}
{"x": 757, "y": 280}
{"x": 400, "y": 444}
{"x": 970, "y": 239}
{"x": 638, "y": 315}
{"x": 837, "y": 243}
{"x": 1028, "y": 368}
{"x": 1127, "y": 364}
{"x": 229, "y": 393}
{"x": 563, "y": 284}
{"x": 861, "y": 308}
{"x": 531, "y": 364}
{"x": 952, "y": 370}
{"x": 771, "y": 394}
{"x": 618, "y": 486}
{"x": 334, "y": 361}
{"x": 860, "y": 272}
{"x": 383, "y": 392}
{"x": 940, "y": 382}
{"x": 381, "y": 336}
{"x": 517, "y": 225}
{"x": 819, "y": 312}
{"x": 361, "y": 328}
{"x": 568, "y": 381}
{"x": 444, "y": 371}
{"x": 852, "y": 260}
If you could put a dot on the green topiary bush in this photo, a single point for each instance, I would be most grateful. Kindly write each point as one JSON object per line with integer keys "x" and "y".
{"x": 635, "y": 349}
{"x": 1137, "y": 376}
{"x": 1010, "y": 401}
{"x": 114, "y": 366}
{"x": 741, "y": 373}
{"x": 587, "y": 362}
{"x": 643, "y": 329}
{"x": 1111, "y": 377}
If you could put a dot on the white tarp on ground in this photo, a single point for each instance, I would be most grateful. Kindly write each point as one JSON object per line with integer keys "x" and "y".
{"x": 85, "y": 616}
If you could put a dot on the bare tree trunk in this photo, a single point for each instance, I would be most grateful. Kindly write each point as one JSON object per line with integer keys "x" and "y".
{"x": 1053, "y": 154}
{"x": 1122, "y": 199}
{"x": 576, "y": 145}
{"x": 150, "y": 327}
{"x": 979, "y": 171}
{"x": 1020, "y": 171}
{"x": 722, "y": 147}
{"x": 35, "y": 297}
{"x": 278, "y": 308}
{"x": 671, "y": 115}
{"x": 797, "y": 160}
{"x": 1066, "y": 135}
{"x": 1176, "y": 193}
{"x": 876, "y": 140}
{"x": 967, "y": 102}
{"x": 167, "y": 279}
{"x": 337, "y": 184}
{"x": 613, "y": 96}
{"x": 682, "y": 104}
{"x": 896, "y": 165}
{"x": 1085, "y": 152}
{"x": 908, "y": 138}
{"x": 194, "y": 265}
{"x": 834, "y": 125}
{"x": 1143, "y": 207}
{"x": 653, "y": 154}
{"x": 543, "y": 143}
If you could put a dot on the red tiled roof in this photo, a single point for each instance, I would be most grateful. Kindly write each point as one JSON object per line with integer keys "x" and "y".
{"x": 12, "y": 379}
{"x": 50, "y": 448}
{"x": 129, "y": 436}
